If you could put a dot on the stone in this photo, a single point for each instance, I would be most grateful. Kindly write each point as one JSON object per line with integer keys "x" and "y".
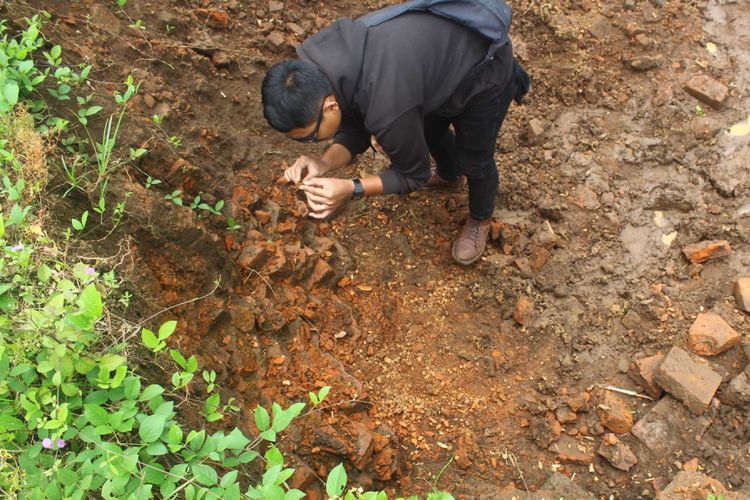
{"x": 535, "y": 132}
{"x": 252, "y": 257}
{"x": 631, "y": 320}
{"x": 742, "y": 293}
{"x": 275, "y": 39}
{"x": 149, "y": 101}
{"x": 320, "y": 272}
{"x": 103, "y": 17}
{"x": 545, "y": 431}
{"x": 600, "y": 27}
{"x": 275, "y": 6}
{"x": 645, "y": 63}
{"x": 737, "y": 392}
{"x": 617, "y": 454}
{"x": 707, "y": 90}
{"x": 524, "y": 310}
{"x": 614, "y": 413}
{"x": 565, "y": 415}
{"x": 710, "y": 335}
{"x": 563, "y": 487}
{"x": 568, "y": 449}
{"x": 295, "y": 28}
{"x": 585, "y": 197}
{"x": 698, "y": 253}
{"x": 641, "y": 371}
{"x": 217, "y": 19}
{"x": 669, "y": 427}
{"x": 695, "y": 486}
{"x": 545, "y": 236}
{"x": 221, "y": 59}
{"x": 692, "y": 383}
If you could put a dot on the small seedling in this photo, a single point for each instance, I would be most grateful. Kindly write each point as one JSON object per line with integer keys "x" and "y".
{"x": 136, "y": 153}
{"x": 138, "y": 25}
{"x": 318, "y": 398}
{"x": 150, "y": 181}
{"x": 157, "y": 343}
{"x": 210, "y": 378}
{"x": 232, "y": 225}
{"x": 175, "y": 141}
{"x": 156, "y": 119}
{"x": 80, "y": 224}
{"x": 699, "y": 110}
{"x": 175, "y": 197}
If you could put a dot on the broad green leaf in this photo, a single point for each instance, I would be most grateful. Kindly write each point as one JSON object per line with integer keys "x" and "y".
{"x": 150, "y": 392}
{"x": 11, "y": 93}
{"x": 95, "y": 414}
{"x": 282, "y": 418}
{"x": 91, "y": 303}
{"x": 157, "y": 449}
{"x": 228, "y": 478}
{"x": 439, "y": 495}
{"x": 111, "y": 362}
{"x": 151, "y": 428}
{"x": 274, "y": 457}
{"x": 336, "y": 481}
{"x": 293, "y": 495}
{"x": 235, "y": 440}
{"x": 262, "y": 419}
{"x": 167, "y": 329}
{"x": 271, "y": 475}
{"x": 269, "y": 435}
{"x": 149, "y": 339}
{"x": 204, "y": 474}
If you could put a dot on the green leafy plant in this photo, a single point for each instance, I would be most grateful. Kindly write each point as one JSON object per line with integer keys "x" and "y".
{"x": 232, "y": 225}
{"x": 175, "y": 197}
{"x": 150, "y": 181}
{"x": 158, "y": 342}
{"x": 80, "y": 224}
{"x": 318, "y": 398}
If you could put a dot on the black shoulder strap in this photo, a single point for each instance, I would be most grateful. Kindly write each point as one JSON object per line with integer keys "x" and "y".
{"x": 489, "y": 18}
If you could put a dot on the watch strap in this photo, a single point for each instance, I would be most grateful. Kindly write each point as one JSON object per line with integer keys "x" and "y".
{"x": 359, "y": 189}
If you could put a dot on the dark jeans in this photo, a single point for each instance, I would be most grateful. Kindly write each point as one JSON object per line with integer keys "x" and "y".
{"x": 471, "y": 149}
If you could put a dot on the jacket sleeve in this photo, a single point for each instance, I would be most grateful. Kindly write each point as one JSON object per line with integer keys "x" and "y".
{"x": 404, "y": 143}
{"x": 352, "y": 135}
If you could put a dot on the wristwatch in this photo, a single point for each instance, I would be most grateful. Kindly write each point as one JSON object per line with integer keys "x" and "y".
{"x": 359, "y": 189}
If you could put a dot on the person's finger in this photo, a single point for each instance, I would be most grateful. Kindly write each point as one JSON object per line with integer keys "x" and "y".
{"x": 318, "y": 199}
{"x": 318, "y": 215}
{"x": 314, "y": 189}
{"x": 316, "y": 206}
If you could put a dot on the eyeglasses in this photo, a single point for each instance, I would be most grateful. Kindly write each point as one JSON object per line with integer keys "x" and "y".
{"x": 314, "y": 136}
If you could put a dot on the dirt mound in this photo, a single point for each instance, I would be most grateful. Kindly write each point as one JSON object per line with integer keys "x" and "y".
{"x": 609, "y": 169}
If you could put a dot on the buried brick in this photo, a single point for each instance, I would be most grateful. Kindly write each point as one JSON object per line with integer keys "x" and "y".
{"x": 642, "y": 370}
{"x": 568, "y": 449}
{"x": 669, "y": 427}
{"x": 617, "y": 453}
{"x": 703, "y": 251}
{"x": 614, "y": 413}
{"x": 742, "y": 293}
{"x": 707, "y": 90}
{"x": 692, "y": 383}
{"x": 711, "y": 335}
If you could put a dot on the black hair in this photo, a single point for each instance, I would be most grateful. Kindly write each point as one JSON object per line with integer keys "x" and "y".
{"x": 293, "y": 92}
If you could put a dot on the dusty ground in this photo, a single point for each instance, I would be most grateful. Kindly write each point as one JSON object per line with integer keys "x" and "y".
{"x": 437, "y": 360}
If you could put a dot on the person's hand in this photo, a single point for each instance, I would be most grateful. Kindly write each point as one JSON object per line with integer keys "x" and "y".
{"x": 305, "y": 168}
{"x": 325, "y": 195}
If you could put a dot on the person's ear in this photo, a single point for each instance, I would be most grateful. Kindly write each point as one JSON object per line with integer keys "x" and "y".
{"x": 331, "y": 104}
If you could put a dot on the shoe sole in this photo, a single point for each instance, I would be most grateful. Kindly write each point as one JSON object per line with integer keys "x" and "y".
{"x": 466, "y": 262}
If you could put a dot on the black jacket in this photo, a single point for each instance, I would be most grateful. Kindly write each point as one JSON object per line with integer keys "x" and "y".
{"x": 389, "y": 77}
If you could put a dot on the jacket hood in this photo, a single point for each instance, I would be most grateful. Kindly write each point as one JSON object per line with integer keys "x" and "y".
{"x": 339, "y": 52}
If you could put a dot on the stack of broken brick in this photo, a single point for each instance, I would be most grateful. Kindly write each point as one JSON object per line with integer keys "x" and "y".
{"x": 684, "y": 385}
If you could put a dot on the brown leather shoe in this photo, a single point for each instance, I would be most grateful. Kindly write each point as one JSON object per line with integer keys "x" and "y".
{"x": 437, "y": 183}
{"x": 472, "y": 241}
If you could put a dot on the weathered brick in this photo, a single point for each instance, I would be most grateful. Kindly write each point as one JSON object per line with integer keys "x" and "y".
{"x": 711, "y": 335}
{"x": 669, "y": 427}
{"x": 692, "y": 383}
{"x": 617, "y": 453}
{"x": 570, "y": 450}
{"x": 703, "y": 251}
{"x": 707, "y": 90}
{"x": 614, "y": 413}
{"x": 642, "y": 373}
{"x": 742, "y": 293}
